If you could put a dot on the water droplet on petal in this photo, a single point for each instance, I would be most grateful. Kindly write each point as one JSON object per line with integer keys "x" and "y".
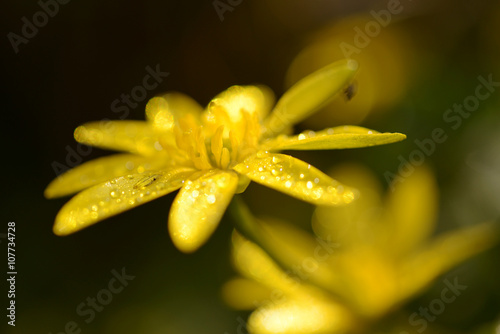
{"x": 129, "y": 165}
{"x": 211, "y": 199}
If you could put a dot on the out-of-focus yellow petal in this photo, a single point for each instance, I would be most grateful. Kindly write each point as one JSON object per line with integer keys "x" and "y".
{"x": 310, "y": 94}
{"x": 368, "y": 281}
{"x": 244, "y": 294}
{"x": 199, "y": 207}
{"x": 334, "y": 138}
{"x": 129, "y": 136}
{"x": 411, "y": 212}
{"x": 295, "y": 178}
{"x": 163, "y": 111}
{"x": 446, "y": 251}
{"x": 98, "y": 171}
{"x": 352, "y": 224}
{"x": 123, "y": 193}
{"x": 307, "y": 317}
{"x": 252, "y": 262}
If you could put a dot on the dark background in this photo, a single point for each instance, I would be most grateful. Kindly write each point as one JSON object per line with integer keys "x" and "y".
{"x": 91, "y": 52}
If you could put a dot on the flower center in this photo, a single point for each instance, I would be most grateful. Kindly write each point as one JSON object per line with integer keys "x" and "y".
{"x": 214, "y": 144}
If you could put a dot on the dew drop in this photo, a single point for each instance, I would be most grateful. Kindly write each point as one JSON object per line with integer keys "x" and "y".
{"x": 129, "y": 165}
{"x": 113, "y": 194}
{"x": 309, "y": 185}
{"x": 301, "y": 176}
{"x": 158, "y": 146}
{"x": 316, "y": 180}
{"x": 302, "y": 136}
{"x": 288, "y": 184}
{"x": 94, "y": 215}
{"x": 211, "y": 199}
{"x": 94, "y": 207}
{"x": 317, "y": 193}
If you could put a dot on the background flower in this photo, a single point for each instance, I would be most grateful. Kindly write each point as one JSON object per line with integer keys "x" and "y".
{"x": 371, "y": 257}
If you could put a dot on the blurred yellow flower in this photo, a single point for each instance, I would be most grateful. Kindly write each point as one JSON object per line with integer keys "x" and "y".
{"x": 210, "y": 155}
{"x": 390, "y": 54}
{"x": 370, "y": 256}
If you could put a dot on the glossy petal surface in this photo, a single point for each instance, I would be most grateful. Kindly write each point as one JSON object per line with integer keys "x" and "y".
{"x": 342, "y": 137}
{"x": 163, "y": 111}
{"x": 127, "y": 136}
{"x": 295, "y": 178}
{"x": 252, "y": 99}
{"x": 198, "y": 208}
{"x": 98, "y": 171}
{"x": 115, "y": 196}
{"x": 300, "y": 317}
{"x": 310, "y": 94}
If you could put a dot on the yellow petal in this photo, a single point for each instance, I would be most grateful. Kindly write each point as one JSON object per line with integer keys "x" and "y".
{"x": 128, "y": 136}
{"x": 98, "y": 171}
{"x": 367, "y": 280}
{"x": 252, "y": 99}
{"x": 295, "y": 178}
{"x": 198, "y": 208}
{"x": 351, "y": 224}
{"x": 163, "y": 111}
{"x": 123, "y": 193}
{"x": 244, "y": 294}
{"x": 307, "y": 317}
{"x": 411, "y": 212}
{"x": 333, "y": 138}
{"x": 252, "y": 262}
{"x": 445, "y": 252}
{"x": 310, "y": 94}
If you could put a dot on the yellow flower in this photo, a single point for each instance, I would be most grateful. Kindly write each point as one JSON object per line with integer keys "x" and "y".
{"x": 209, "y": 155}
{"x": 371, "y": 256}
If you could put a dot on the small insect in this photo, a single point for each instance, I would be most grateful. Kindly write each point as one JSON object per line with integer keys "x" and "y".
{"x": 350, "y": 91}
{"x": 146, "y": 181}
